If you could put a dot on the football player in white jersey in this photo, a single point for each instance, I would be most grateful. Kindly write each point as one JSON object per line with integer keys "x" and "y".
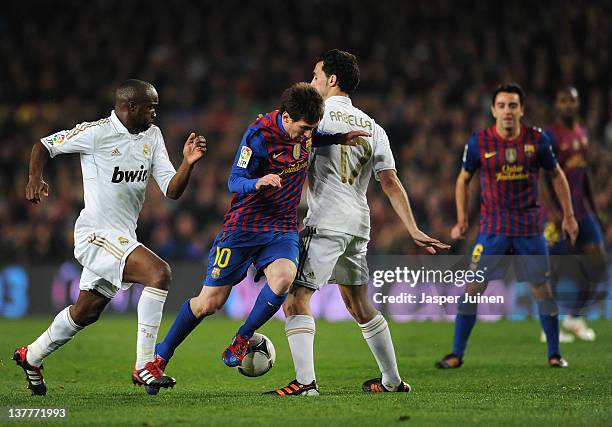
{"x": 118, "y": 155}
{"x": 334, "y": 241}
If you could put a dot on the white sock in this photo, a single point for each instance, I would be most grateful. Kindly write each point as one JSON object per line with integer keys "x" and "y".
{"x": 377, "y": 335}
{"x": 300, "y": 332}
{"x": 61, "y": 330}
{"x": 150, "y": 307}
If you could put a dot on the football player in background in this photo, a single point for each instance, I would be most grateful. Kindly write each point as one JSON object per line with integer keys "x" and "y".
{"x": 570, "y": 144}
{"x": 509, "y": 156}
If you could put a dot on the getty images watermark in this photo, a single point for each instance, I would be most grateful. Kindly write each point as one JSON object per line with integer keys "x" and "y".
{"x": 405, "y": 276}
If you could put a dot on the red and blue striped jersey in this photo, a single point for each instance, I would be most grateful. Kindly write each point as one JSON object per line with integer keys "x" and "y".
{"x": 267, "y": 149}
{"x": 570, "y": 147}
{"x": 509, "y": 179}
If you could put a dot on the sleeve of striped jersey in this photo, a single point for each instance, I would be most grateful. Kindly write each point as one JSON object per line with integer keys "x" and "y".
{"x": 243, "y": 180}
{"x": 324, "y": 139}
{"x": 546, "y": 157}
{"x": 383, "y": 156}
{"x": 553, "y": 141}
{"x": 162, "y": 169}
{"x": 80, "y": 139}
{"x": 471, "y": 157}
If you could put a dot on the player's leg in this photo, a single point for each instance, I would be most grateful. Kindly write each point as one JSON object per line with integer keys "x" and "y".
{"x": 487, "y": 257}
{"x": 592, "y": 273}
{"x": 278, "y": 258}
{"x": 375, "y": 331}
{"x": 145, "y": 267}
{"x": 228, "y": 262}
{"x": 559, "y": 267}
{"x": 85, "y": 311}
{"x": 532, "y": 265}
{"x": 319, "y": 252}
{"x": 549, "y": 319}
{"x": 191, "y": 313}
{"x": 300, "y": 330}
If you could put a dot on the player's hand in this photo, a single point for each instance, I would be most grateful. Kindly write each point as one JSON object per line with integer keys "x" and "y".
{"x": 458, "y": 231}
{"x": 352, "y": 138}
{"x": 35, "y": 188}
{"x": 270, "y": 179}
{"x": 570, "y": 228}
{"x": 194, "y": 148}
{"x": 429, "y": 243}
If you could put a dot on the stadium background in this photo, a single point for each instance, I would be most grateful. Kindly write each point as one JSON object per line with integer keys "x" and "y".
{"x": 427, "y": 70}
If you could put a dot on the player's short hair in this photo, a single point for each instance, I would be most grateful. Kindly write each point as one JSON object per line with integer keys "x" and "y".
{"x": 567, "y": 89}
{"x": 302, "y": 101}
{"x": 344, "y": 66}
{"x": 133, "y": 90}
{"x": 509, "y": 88}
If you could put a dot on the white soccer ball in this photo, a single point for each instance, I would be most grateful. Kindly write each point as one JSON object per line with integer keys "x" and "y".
{"x": 260, "y": 357}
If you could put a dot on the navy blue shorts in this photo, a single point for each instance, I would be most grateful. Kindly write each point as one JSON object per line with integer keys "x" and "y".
{"x": 589, "y": 232}
{"x": 490, "y": 255}
{"x": 233, "y": 253}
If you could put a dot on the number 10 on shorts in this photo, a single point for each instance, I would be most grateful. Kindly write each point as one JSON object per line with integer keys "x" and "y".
{"x": 222, "y": 257}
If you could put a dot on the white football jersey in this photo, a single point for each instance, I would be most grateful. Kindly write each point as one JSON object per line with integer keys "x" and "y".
{"x": 116, "y": 166}
{"x": 338, "y": 176}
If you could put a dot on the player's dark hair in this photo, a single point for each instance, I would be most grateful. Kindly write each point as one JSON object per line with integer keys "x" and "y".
{"x": 566, "y": 89}
{"x": 302, "y": 101}
{"x": 509, "y": 88}
{"x": 133, "y": 90}
{"x": 344, "y": 66}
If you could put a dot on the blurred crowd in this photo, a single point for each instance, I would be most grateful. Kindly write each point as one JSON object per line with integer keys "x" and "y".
{"x": 427, "y": 70}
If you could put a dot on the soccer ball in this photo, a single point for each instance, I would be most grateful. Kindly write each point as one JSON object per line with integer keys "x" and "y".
{"x": 259, "y": 358}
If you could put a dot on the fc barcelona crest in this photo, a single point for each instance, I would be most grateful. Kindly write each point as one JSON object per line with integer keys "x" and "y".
{"x": 511, "y": 155}
{"x": 297, "y": 150}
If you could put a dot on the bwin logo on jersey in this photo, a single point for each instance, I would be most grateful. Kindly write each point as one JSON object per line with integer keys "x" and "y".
{"x": 129, "y": 176}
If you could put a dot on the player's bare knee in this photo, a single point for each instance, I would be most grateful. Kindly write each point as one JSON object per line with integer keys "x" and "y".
{"x": 205, "y": 307}
{"x": 281, "y": 282}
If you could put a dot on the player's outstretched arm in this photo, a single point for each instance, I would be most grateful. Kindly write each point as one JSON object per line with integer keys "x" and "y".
{"x": 193, "y": 151}
{"x": 351, "y": 138}
{"x": 569, "y": 224}
{"x": 461, "y": 200}
{"x": 36, "y": 186}
{"x": 396, "y": 194}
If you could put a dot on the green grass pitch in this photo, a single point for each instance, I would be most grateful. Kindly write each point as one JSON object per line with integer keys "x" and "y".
{"x": 505, "y": 381}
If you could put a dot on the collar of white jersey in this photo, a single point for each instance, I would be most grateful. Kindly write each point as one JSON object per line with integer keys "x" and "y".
{"x": 120, "y": 127}
{"x": 339, "y": 99}
{"x": 117, "y": 123}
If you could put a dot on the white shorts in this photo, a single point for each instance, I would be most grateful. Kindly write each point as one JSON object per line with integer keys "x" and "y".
{"x": 331, "y": 257}
{"x": 102, "y": 253}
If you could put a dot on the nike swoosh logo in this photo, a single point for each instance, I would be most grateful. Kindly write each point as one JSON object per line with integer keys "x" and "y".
{"x": 274, "y": 156}
{"x": 489, "y": 155}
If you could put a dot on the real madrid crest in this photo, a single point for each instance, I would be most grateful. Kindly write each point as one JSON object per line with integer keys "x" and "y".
{"x": 146, "y": 151}
{"x": 297, "y": 150}
{"x": 511, "y": 155}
